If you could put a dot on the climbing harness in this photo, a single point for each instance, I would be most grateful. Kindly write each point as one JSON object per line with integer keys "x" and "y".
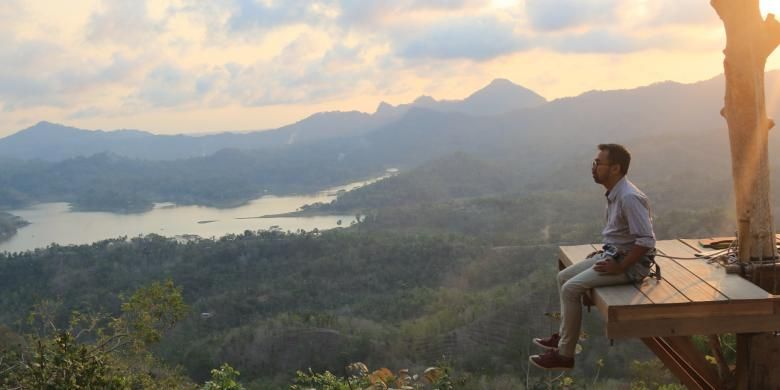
{"x": 647, "y": 261}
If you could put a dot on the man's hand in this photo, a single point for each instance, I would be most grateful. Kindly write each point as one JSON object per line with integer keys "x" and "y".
{"x": 608, "y": 266}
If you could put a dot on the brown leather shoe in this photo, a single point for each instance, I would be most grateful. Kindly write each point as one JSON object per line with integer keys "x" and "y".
{"x": 548, "y": 343}
{"x": 551, "y": 360}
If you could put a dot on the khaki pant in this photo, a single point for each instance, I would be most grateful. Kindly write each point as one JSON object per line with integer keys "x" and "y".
{"x": 573, "y": 282}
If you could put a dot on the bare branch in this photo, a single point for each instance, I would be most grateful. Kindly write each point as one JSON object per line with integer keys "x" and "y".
{"x": 772, "y": 28}
{"x": 108, "y": 340}
{"x": 117, "y": 345}
{"x": 87, "y": 330}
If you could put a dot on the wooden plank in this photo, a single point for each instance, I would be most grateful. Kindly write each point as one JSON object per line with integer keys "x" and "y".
{"x": 730, "y": 285}
{"x": 690, "y": 285}
{"x": 663, "y": 327}
{"x": 574, "y": 254}
{"x": 693, "y": 243}
{"x": 660, "y": 291}
{"x": 608, "y": 298}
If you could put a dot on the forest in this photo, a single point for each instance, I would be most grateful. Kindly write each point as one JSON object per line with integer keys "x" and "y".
{"x": 451, "y": 263}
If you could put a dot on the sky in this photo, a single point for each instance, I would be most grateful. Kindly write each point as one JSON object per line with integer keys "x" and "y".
{"x": 193, "y": 66}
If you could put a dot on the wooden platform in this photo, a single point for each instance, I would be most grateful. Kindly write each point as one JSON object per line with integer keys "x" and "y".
{"x": 692, "y": 298}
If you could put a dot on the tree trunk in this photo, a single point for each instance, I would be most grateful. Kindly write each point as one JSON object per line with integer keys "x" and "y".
{"x": 749, "y": 41}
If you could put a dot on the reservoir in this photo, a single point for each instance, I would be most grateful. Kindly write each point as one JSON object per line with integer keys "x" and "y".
{"x": 57, "y": 223}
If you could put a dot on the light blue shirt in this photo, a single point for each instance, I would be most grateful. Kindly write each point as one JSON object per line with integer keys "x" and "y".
{"x": 629, "y": 221}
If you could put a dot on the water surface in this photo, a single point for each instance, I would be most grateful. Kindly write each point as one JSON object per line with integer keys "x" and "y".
{"x": 57, "y": 223}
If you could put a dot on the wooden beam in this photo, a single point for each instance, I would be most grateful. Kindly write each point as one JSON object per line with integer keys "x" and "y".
{"x": 686, "y": 349}
{"x": 681, "y": 358}
{"x": 743, "y": 361}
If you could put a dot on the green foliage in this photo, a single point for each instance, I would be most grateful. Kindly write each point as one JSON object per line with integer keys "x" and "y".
{"x": 652, "y": 375}
{"x": 97, "y": 351}
{"x": 61, "y": 363}
{"x": 223, "y": 378}
{"x": 433, "y": 378}
{"x": 326, "y": 381}
{"x": 152, "y": 310}
{"x": 458, "y": 175}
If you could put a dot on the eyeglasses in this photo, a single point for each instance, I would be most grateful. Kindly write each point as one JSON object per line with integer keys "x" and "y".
{"x": 596, "y": 163}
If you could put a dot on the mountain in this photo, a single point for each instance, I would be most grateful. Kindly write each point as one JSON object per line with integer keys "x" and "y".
{"x": 550, "y": 132}
{"x": 663, "y": 123}
{"x": 499, "y": 97}
{"x": 54, "y": 142}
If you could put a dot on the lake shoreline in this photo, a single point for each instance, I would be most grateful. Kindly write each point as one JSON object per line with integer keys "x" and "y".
{"x": 10, "y": 225}
{"x": 60, "y": 223}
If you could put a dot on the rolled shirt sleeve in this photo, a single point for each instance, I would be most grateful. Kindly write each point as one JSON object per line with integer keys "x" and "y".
{"x": 637, "y": 213}
{"x": 629, "y": 220}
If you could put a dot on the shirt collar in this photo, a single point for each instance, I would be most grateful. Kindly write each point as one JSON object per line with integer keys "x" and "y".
{"x": 616, "y": 190}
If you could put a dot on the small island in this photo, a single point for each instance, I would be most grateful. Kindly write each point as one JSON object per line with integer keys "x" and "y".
{"x": 9, "y": 224}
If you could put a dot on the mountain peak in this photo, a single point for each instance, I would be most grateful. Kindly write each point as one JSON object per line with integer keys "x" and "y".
{"x": 383, "y": 107}
{"x": 46, "y": 127}
{"x": 424, "y": 99}
{"x": 501, "y": 82}
{"x": 502, "y": 95}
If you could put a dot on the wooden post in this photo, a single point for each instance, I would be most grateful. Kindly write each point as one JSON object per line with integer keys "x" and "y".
{"x": 749, "y": 42}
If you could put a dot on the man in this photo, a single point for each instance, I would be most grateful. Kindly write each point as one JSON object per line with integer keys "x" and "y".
{"x": 628, "y": 232}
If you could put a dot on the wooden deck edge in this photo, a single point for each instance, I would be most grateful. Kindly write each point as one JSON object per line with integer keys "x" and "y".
{"x": 665, "y": 327}
{"x": 689, "y": 311}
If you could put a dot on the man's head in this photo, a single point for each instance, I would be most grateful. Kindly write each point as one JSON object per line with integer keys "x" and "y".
{"x": 611, "y": 164}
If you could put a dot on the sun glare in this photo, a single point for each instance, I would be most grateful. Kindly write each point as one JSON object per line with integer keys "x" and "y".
{"x": 770, "y": 7}
{"x": 502, "y": 3}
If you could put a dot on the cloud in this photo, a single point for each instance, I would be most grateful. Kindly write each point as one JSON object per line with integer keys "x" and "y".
{"x": 553, "y": 15}
{"x": 89, "y": 112}
{"x": 123, "y": 22}
{"x": 303, "y": 72}
{"x": 370, "y": 13}
{"x": 252, "y": 14}
{"x": 41, "y": 73}
{"x": 25, "y": 74}
{"x": 168, "y": 86}
{"x": 259, "y": 15}
{"x": 598, "y": 41}
{"x": 11, "y": 15}
{"x": 477, "y": 39}
{"x": 681, "y": 12}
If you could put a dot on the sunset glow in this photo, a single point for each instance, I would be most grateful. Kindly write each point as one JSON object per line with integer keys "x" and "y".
{"x": 194, "y": 66}
{"x": 769, "y": 6}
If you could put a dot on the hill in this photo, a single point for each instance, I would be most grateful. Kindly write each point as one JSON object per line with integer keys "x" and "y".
{"x": 54, "y": 142}
{"x": 458, "y": 175}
